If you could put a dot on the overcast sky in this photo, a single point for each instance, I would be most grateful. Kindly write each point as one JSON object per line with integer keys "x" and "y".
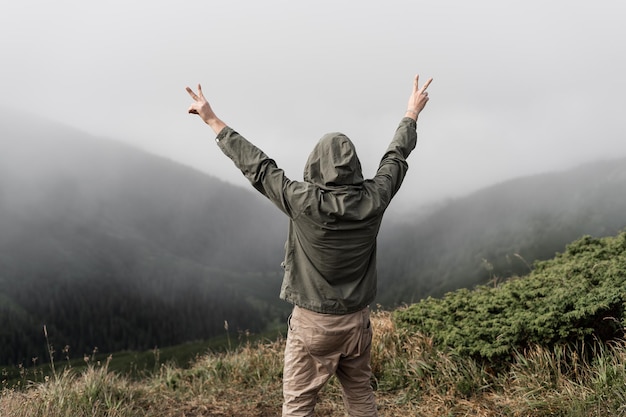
{"x": 520, "y": 87}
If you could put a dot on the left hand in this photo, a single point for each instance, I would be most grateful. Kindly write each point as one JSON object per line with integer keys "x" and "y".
{"x": 202, "y": 108}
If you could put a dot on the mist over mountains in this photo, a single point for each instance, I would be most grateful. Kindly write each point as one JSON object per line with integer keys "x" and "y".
{"x": 115, "y": 248}
{"x": 499, "y": 231}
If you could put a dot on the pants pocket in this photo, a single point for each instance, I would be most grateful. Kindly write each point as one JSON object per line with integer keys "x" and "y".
{"x": 325, "y": 343}
{"x": 366, "y": 339}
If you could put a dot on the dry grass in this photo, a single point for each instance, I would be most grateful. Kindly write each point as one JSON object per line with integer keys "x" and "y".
{"x": 412, "y": 378}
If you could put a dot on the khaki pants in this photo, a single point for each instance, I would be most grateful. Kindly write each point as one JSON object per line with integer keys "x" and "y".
{"x": 322, "y": 345}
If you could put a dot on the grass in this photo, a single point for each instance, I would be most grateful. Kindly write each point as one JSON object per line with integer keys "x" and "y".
{"x": 411, "y": 377}
{"x": 133, "y": 364}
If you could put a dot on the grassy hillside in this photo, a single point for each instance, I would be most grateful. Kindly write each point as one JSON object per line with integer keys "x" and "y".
{"x": 412, "y": 379}
{"x": 576, "y": 299}
{"x": 415, "y": 372}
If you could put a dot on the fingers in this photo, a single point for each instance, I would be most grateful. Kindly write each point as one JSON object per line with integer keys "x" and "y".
{"x": 194, "y": 96}
{"x": 191, "y": 109}
{"x": 191, "y": 93}
{"x": 427, "y": 83}
{"x": 416, "y": 87}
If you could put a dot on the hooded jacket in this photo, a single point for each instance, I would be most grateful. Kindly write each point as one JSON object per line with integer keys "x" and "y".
{"x": 335, "y": 215}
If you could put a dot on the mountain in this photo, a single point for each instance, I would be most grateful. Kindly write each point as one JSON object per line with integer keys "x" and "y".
{"x": 114, "y": 248}
{"x": 499, "y": 231}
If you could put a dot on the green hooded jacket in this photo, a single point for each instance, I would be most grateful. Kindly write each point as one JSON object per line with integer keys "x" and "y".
{"x": 335, "y": 215}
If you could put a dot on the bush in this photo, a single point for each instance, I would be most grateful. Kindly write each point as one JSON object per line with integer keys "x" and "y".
{"x": 577, "y": 297}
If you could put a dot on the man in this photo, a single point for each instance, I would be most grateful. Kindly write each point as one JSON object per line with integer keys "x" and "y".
{"x": 330, "y": 253}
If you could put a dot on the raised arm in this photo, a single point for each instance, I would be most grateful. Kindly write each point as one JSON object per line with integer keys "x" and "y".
{"x": 393, "y": 165}
{"x": 418, "y": 98}
{"x": 202, "y": 108}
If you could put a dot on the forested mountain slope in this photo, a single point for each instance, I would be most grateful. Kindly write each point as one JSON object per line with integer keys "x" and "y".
{"x": 501, "y": 230}
{"x": 114, "y": 248}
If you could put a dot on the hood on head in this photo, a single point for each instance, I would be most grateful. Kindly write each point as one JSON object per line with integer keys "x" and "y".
{"x": 333, "y": 162}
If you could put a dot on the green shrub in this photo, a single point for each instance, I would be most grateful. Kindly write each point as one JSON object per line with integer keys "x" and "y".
{"x": 577, "y": 297}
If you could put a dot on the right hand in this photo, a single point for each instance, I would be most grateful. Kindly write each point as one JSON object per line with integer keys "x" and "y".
{"x": 418, "y": 98}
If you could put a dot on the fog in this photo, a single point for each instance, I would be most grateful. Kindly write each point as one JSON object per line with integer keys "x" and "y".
{"x": 519, "y": 87}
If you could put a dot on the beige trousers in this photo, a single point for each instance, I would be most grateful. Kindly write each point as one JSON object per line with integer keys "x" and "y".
{"x": 322, "y": 345}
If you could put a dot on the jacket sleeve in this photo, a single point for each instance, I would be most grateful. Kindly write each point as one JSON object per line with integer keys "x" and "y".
{"x": 261, "y": 171}
{"x": 393, "y": 166}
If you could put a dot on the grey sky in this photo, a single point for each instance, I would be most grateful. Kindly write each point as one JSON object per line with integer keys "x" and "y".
{"x": 519, "y": 86}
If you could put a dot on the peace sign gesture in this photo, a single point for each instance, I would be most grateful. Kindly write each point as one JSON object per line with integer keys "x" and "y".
{"x": 418, "y": 98}
{"x": 202, "y": 108}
